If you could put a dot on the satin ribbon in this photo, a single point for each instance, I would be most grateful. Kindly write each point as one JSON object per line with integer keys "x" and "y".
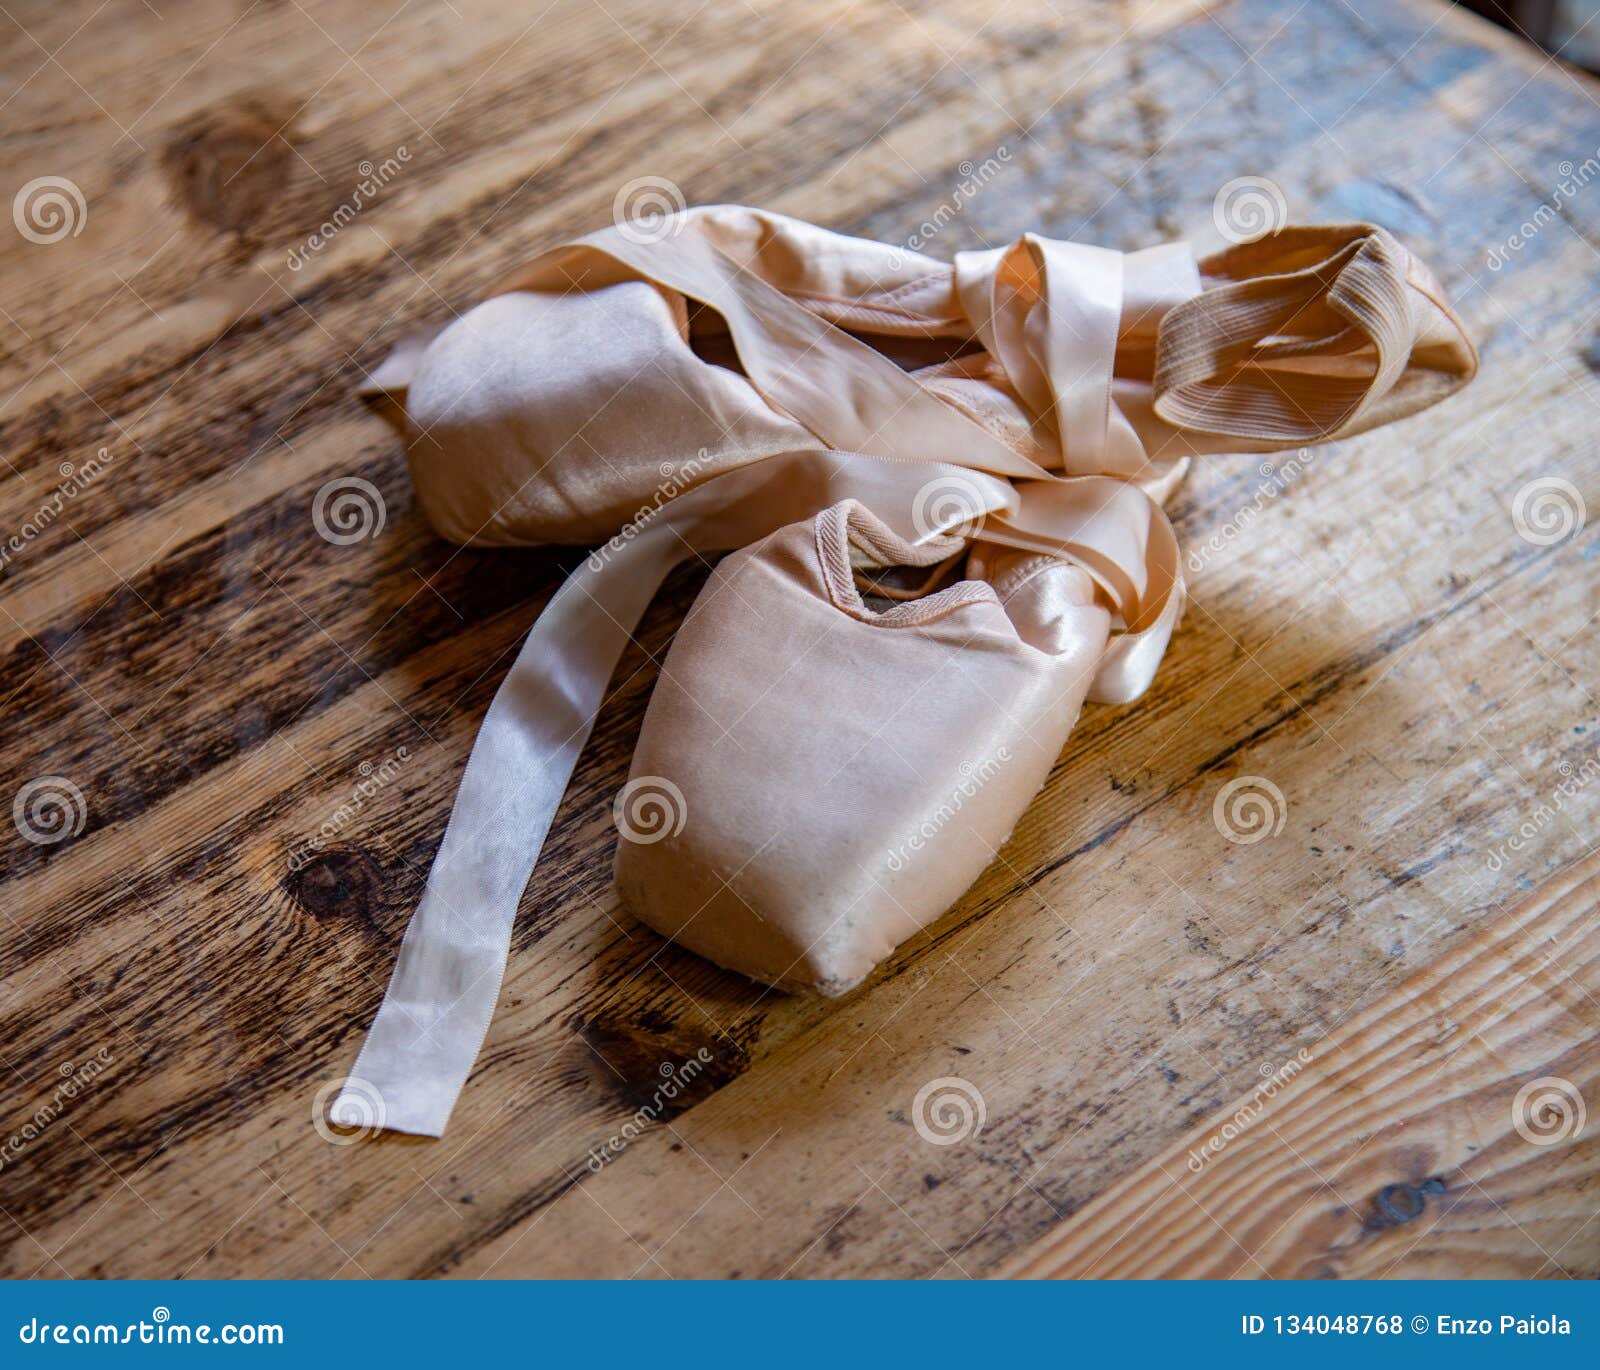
{"x": 1048, "y": 312}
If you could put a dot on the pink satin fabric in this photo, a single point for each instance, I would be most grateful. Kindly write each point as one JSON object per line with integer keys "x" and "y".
{"x": 843, "y": 772}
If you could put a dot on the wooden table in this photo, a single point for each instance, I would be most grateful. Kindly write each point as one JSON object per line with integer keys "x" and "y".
{"x": 1304, "y": 1055}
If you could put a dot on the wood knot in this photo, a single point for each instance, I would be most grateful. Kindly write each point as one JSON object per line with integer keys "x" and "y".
{"x": 1400, "y": 1203}
{"x": 658, "y": 1065}
{"x": 229, "y": 167}
{"x": 337, "y": 882}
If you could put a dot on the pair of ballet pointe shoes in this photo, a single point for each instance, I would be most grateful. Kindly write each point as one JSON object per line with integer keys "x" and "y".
{"x": 837, "y": 754}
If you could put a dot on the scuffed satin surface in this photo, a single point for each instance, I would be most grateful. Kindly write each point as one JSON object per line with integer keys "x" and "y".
{"x": 739, "y": 371}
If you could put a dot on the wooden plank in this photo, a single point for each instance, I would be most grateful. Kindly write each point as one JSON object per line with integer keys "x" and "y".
{"x": 214, "y": 677}
{"x": 1441, "y": 1130}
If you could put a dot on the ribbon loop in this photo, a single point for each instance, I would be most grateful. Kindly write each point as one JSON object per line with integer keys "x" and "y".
{"x": 1294, "y": 355}
{"x": 1049, "y": 313}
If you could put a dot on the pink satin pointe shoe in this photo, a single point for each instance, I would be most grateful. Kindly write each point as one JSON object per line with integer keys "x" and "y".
{"x": 626, "y": 410}
{"x": 610, "y": 374}
{"x": 834, "y": 775}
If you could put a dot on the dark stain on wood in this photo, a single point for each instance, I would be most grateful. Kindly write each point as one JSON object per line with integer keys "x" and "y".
{"x": 229, "y": 167}
{"x": 1397, "y": 1204}
{"x": 340, "y": 883}
{"x": 658, "y": 1064}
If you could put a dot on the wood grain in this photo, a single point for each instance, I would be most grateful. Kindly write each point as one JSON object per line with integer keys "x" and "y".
{"x": 1438, "y": 1131}
{"x": 220, "y": 683}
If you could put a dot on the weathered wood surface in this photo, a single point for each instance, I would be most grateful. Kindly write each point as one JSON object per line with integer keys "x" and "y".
{"x": 1378, "y": 642}
{"x": 1467, "y": 1082}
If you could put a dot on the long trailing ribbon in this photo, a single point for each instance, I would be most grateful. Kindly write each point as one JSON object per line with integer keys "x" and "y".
{"x": 1049, "y": 314}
